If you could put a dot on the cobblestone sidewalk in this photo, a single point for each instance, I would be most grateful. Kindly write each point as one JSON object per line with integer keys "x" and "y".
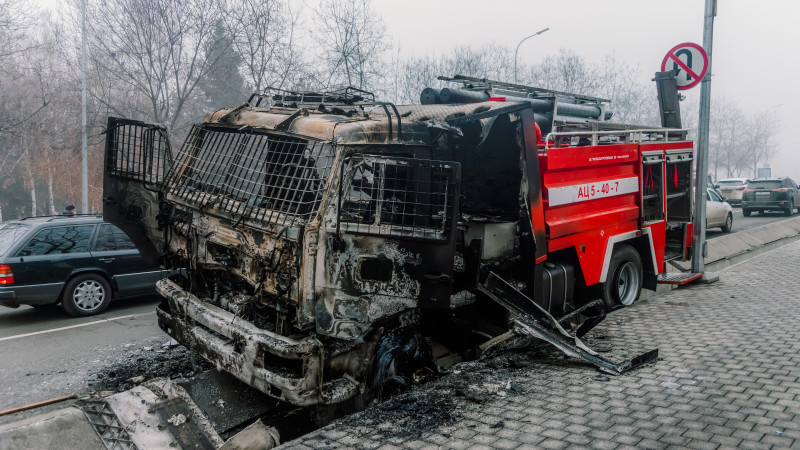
{"x": 728, "y": 376}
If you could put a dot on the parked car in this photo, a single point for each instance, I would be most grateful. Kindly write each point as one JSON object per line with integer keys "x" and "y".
{"x": 732, "y": 189}
{"x": 771, "y": 194}
{"x": 79, "y": 261}
{"x": 718, "y": 212}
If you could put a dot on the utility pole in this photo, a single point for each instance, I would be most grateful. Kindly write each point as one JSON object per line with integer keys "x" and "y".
{"x": 84, "y": 144}
{"x": 699, "y": 228}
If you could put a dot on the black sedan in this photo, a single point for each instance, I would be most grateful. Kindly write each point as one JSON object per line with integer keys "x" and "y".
{"x": 79, "y": 261}
{"x": 771, "y": 194}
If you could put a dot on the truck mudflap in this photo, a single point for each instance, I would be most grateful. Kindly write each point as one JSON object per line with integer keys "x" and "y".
{"x": 239, "y": 347}
{"x": 530, "y": 319}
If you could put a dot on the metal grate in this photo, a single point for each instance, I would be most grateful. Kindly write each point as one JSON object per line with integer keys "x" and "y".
{"x": 108, "y": 427}
{"x": 398, "y": 196}
{"x": 137, "y": 151}
{"x": 679, "y": 278}
{"x": 261, "y": 176}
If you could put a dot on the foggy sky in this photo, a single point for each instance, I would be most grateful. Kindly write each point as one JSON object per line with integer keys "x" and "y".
{"x": 754, "y": 58}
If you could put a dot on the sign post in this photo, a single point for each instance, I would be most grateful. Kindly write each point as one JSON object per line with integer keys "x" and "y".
{"x": 699, "y": 229}
{"x": 692, "y": 65}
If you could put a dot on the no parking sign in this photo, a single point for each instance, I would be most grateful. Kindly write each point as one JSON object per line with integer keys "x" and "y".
{"x": 689, "y": 61}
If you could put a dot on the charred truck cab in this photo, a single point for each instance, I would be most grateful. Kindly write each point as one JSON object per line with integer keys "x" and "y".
{"x": 331, "y": 241}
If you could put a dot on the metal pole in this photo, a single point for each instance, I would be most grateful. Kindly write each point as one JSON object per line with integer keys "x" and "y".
{"x": 699, "y": 228}
{"x": 84, "y": 144}
{"x": 517, "y": 50}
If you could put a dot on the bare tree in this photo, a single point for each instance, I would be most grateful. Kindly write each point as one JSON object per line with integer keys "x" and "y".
{"x": 154, "y": 50}
{"x": 351, "y": 37}
{"x": 488, "y": 61}
{"x": 761, "y": 129}
{"x": 566, "y": 72}
{"x": 17, "y": 18}
{"x": 263, "y": 35}
{"x": 725, "y": 137}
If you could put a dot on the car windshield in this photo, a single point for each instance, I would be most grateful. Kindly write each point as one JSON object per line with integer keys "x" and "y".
{"x": 731, "y": 183}
{"x": 765, "y": 184}
{"x": 11, "y": 233}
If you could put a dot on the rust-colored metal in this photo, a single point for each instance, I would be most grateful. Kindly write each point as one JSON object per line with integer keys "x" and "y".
{"x": 27, "y": 407}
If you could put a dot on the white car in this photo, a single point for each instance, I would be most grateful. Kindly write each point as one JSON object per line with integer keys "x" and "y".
{"x": 732, "y": 189}
{"x": 718, "y": 212}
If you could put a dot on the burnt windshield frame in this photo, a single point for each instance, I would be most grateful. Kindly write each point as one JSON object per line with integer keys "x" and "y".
{"x": 253, "y": 174}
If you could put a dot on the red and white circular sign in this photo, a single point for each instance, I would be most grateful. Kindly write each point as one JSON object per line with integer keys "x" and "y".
{"x": 689, "y": 61}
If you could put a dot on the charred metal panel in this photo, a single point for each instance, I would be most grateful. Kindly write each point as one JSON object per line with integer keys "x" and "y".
{"x": 533, "y": 184}
{"x": 489, "y": 154}
{"x": 270, "y": 266}
{"x": 137, "y": 158}
{"x": 241, "y": 348}
{"x": 349, "y": 305}
{"x": 390, "y": 243}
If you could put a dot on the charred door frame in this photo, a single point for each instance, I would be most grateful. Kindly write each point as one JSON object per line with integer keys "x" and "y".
{"x": 436, "y": 268}
{"x": 137, "y": 159}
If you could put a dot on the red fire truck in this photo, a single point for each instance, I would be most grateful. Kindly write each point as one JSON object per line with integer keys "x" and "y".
{"x": 330, "y": 242}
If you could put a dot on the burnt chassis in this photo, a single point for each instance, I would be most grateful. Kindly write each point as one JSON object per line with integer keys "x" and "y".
{"x": 307, "y": 369}
{"x": 211, "y": 332}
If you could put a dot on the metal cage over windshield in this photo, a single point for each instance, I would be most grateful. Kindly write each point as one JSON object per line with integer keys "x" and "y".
{"x": 255, "y": 175}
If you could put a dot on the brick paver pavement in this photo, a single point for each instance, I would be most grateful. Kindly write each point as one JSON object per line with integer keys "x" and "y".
{"x": 728, "y": 376}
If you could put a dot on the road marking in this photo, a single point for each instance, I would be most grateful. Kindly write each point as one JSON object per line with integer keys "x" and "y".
{"x": 110, "y": 319}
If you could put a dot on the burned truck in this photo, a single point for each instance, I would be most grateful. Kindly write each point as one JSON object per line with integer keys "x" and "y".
{"x": 328, "y": 242}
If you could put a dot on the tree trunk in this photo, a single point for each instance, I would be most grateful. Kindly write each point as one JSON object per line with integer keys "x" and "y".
{"x": 33, "y": 198}
{"x": 50, "y": 192}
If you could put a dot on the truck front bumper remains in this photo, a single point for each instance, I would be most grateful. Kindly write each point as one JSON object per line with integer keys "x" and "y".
{"x": 288, "y": 369}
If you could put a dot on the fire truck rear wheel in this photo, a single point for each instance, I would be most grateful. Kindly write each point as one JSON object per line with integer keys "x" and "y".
{"x": 624, "y": 282}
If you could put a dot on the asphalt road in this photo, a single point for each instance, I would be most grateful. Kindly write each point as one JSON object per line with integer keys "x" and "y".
{"x": 48, "y": 354}
{"x": 741, "y": 222}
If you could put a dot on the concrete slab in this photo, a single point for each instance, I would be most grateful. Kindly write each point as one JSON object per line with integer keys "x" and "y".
{"x": 63, "y": 428}
{"x": 730, "y": 249}
{"x": 160, "y": 414}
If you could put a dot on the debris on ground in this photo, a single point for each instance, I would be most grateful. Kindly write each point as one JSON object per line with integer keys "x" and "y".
{"x": 134, "y": 366}
{"x": 441, "y": 401}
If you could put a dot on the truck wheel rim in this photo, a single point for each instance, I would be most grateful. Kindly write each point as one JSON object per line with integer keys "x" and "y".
{"x": 89, "y": 295}
{"x": 627, "y": 283}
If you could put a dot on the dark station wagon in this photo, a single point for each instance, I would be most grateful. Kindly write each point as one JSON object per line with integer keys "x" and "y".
{"x": 79, "y": 261}
{"x": 771, "y": 194}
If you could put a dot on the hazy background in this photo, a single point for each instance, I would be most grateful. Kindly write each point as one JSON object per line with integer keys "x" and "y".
{"x": 755, "y": 58}
{"x": 171, "y": 61}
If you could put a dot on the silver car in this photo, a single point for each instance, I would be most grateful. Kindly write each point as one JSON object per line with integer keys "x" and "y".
{"x": 718, "y": 212}
{"x": 732, "y": 189}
